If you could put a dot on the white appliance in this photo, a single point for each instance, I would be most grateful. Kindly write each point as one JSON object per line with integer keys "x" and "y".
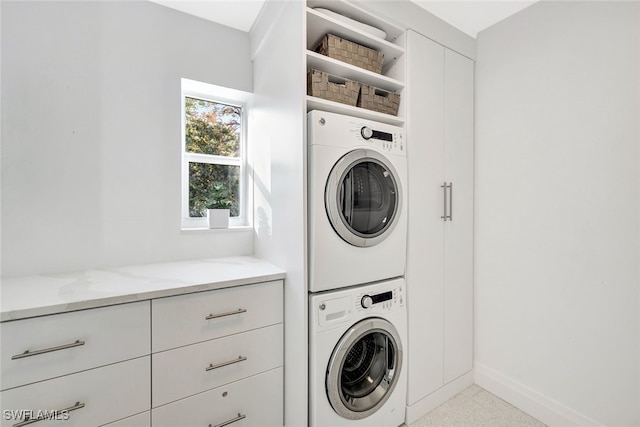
{"x": 356, "y": 201}
{"x": 357, "y": 356}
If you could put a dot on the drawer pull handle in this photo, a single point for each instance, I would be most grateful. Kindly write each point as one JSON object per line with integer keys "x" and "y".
{"x": 228, "y": 313}
{"x": 28, "y": 353}
{"x": 226, "y": 423}
{"x": 28, "y": 421}
{"x": 211, "y": 367}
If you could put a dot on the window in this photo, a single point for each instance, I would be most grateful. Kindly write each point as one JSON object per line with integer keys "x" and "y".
{"x": 213, "y": 153}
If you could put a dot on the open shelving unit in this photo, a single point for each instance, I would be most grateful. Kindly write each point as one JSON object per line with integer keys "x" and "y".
{"x": 392, "y": 77}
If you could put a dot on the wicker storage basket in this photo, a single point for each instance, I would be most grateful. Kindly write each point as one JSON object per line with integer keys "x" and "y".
{"x": 379, "y": 100}
{"x": 351, "y": 53}
{"x": 345, "y": 91}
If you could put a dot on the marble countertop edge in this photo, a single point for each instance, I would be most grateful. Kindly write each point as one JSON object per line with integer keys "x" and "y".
{"x": 41, "y": 295}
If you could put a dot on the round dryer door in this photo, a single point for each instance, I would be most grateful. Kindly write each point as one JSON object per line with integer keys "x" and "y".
{"x": 364, "y": 368}
{"x": 363, "y": 197}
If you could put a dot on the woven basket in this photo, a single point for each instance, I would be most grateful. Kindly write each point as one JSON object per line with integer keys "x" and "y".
{"x": 345, "y": 91}
{"x": 351, "y": 53}
{"x": 378, "y": 100}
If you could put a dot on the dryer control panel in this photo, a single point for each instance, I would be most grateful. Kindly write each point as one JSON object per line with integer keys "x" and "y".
{"x": 385, "y": 141}
{"x": 337, "y": 130}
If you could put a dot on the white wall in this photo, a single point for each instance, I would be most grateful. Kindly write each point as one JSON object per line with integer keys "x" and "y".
{"x": 278, "y": 115}
{"x": 91, "y": 132}
{"x": 558, "y": 212}
{"x": 408, "y": 15}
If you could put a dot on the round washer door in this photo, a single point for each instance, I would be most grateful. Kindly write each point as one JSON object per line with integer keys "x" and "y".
{"x": 364, "y": 368}
{"x": 363, "y": 197}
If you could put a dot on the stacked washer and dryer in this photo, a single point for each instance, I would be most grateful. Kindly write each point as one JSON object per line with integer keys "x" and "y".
{"x": 357, "y": 221}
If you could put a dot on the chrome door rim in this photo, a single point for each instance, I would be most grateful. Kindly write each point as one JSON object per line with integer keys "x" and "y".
{"x": 334, "y": 370}
{"x": 345, "y": 164}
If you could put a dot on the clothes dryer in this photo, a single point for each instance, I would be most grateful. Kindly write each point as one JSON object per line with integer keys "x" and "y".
{"x": 357, "y": 219}
{"x": 357, "y": 356}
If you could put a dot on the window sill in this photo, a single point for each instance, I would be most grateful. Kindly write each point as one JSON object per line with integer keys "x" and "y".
{"x": 233, "y": 228}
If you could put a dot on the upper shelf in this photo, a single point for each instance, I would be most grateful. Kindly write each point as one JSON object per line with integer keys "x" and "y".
{"x": 319, "y": 24}
{"x": 358, "y": 14}
{"x": 348, "y": 71}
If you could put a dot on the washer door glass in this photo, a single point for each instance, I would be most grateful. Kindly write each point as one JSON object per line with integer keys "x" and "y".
{"x": 364, "y": 369}
{"x": 362, "y": 197}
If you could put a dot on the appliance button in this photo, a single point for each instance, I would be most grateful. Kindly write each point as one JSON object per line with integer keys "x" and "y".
{"x": 366, "y": 132}
{"x": 366, "y": 301}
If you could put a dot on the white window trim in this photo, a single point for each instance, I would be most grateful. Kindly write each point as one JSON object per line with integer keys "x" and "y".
{"x": 209, "y": 92}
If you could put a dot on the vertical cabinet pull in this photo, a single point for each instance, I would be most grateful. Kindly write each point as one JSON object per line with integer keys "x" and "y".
{"x": 231, "y": 421}
{"x": 451, "y": 201}
{"x": 28, "y": 421}
{"x": 444, "y": 201}
{"x": 447, "y": 213}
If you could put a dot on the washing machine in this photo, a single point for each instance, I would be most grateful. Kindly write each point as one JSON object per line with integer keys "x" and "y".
{"x": 357, "y": 356}
{"x": 357, "y": 215}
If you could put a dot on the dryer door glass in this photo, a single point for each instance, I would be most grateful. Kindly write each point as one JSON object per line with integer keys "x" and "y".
{"x": 363, "y": 198}
{"x": 364, "y": 369}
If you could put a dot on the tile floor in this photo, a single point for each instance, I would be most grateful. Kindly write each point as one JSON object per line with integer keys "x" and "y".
{"x": 476, "y": 407}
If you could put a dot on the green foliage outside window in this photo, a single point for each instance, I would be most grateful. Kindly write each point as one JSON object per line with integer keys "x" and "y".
{"x": 213, "y": 129}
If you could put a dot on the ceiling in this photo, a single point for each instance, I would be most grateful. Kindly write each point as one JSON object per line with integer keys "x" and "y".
{"x": 469, "y": 16}
{"x": 473, "y": 16}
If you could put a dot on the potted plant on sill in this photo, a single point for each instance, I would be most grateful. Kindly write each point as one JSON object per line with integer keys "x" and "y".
{"x": 219, "y": 207}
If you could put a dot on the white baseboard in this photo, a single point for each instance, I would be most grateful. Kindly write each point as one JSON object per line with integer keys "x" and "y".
{"x": 530, "y": 401}
{"x": 437, "y": 398}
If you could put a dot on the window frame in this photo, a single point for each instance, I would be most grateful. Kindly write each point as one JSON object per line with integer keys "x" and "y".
{"x": 220, "y": 95}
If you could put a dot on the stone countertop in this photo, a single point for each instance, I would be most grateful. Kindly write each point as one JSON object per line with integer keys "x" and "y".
{"x": 30, "y": 296}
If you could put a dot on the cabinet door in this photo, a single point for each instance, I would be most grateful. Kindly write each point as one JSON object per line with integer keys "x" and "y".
{"x": 425, "y": 257}
{"x": 458, "y": 241}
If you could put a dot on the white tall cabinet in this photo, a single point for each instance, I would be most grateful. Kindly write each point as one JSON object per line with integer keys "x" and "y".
{"x": 440, "y": 242}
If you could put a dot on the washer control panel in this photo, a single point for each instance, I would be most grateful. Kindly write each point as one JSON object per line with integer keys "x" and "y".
{"x": 384, "y": 300}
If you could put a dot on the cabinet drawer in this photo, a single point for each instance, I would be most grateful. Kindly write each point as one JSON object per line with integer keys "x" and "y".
{"x": 195, "y": 368}
{"x": 109, "y": 393}
{"x": 78, "y": 341}
{"x": 258, "y": 399}
{"x": 201, "y": 316}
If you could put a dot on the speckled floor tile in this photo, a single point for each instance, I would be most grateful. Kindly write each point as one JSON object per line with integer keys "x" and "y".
{"x": 476, "y": 407}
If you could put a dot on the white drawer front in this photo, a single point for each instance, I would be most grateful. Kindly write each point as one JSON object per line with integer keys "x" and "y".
{"x": 258, "y": 399}
{"x": 201, "y": 316}
{"x": 110, "y": 334}
{"x": 195, "y": 368}
{"x": 109, "y": 393}
{"x": 140, "y": 420}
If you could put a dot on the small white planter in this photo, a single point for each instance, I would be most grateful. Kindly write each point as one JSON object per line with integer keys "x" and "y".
{"x": 218, "y": 218}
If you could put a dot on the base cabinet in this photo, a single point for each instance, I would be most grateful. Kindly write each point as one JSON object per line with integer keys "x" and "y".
{"x": 214, "y": 358}
{"x": 439, "y": 271}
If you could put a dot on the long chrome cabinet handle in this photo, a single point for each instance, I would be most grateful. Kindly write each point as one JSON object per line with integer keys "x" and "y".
{"x": 211, "y": 367}
{"x": 228, "y": 313}
{"x": 75, "y": 407}
{"x": 29, "y": 353}
{"x": 226, "y": 423}
{"x": 444, "y": 201}
{"x": 451, "y": 201}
